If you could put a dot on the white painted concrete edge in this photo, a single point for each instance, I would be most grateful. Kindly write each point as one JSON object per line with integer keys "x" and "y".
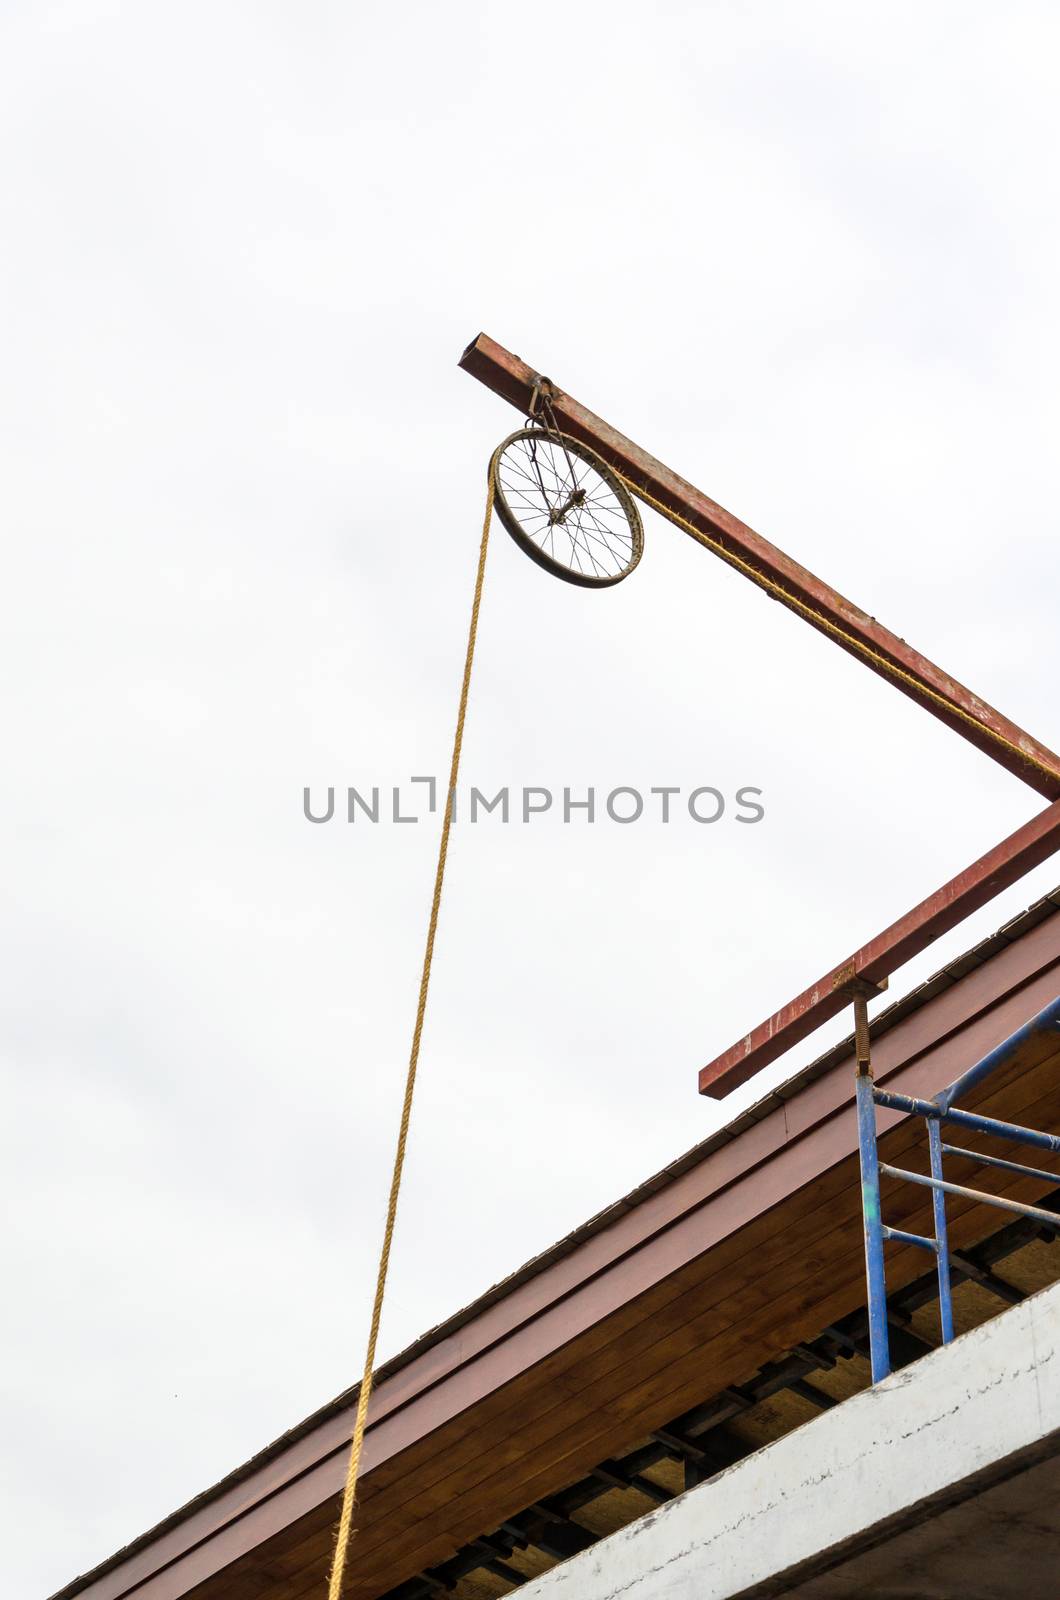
{"x": 960, "y": 1411}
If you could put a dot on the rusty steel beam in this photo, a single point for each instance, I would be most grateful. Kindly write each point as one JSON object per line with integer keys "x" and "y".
{"x": 1005, "y": 864}
{"x": 510, "y": 377}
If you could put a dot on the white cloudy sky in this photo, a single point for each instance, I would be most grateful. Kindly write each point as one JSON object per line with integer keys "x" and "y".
{"x": 809, "y": 256}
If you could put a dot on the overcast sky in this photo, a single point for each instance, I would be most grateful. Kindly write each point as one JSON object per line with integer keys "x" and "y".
{"x": 807, "y": 255}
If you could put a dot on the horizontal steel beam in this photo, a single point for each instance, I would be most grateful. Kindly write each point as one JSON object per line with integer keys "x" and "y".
{"x": 511, "y": 378}
{"x": 1002, "y": 866}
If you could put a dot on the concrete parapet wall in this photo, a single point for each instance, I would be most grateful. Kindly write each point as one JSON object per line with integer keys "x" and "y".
{"x": 936, "y": 1435}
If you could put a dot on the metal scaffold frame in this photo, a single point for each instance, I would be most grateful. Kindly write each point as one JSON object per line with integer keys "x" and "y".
{"x": 942, "y": 1109}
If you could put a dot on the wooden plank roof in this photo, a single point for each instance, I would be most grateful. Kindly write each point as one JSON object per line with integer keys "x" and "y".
{"x": 744, "y": 1248}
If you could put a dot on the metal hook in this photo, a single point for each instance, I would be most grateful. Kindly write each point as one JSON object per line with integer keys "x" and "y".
{"x": 541, "y": 396}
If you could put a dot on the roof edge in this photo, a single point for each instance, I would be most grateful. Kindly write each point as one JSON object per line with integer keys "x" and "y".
{"x": 952, "y": 972}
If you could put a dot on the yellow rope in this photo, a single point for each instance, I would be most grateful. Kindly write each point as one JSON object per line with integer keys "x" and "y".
{"x": 349, "y": 1494}
{"x": 792, "y": 601}
{"x": 777, "y": 590}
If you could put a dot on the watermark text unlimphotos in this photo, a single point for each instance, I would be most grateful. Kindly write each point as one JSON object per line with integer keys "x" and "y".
{"x": 622, "y": 804}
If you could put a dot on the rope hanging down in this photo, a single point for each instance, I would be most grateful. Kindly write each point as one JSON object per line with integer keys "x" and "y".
{"x": 349, "y": 1493}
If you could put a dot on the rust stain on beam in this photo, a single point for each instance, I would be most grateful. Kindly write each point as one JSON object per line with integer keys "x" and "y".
{"x": 1002, "y": 866}
{"x": 511, "y": 378}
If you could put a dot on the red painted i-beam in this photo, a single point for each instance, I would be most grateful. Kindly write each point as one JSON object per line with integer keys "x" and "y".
{"x": 511, "y": 378}
{"x": 1001, "y": 867}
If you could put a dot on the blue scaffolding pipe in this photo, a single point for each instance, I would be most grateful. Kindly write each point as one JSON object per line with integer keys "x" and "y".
{"x": 982, "y": 1160}
{"x": 942, "y": 1238}
{"x": 1049, "y": 1219}
{"x": 879, "y": 1344}
{"x": 936, "y": 1112}
{"x": 968, "y": 1119}
{"x": 1047, "y": 1021}
{"x": 899, "y": 1236}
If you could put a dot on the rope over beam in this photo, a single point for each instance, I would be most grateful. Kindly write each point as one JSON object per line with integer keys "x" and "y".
{"x": 820, "y": 605}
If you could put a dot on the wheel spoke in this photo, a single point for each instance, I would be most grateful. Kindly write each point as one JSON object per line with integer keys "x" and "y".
{"x": 566, "y": 505}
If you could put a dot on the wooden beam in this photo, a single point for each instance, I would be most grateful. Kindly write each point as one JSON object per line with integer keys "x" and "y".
{"x": 1002, "y": 866}
{"x": 511, "y": 378}
{"x": 613, "y": 1473}
{"x": 963, "y": 1263}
